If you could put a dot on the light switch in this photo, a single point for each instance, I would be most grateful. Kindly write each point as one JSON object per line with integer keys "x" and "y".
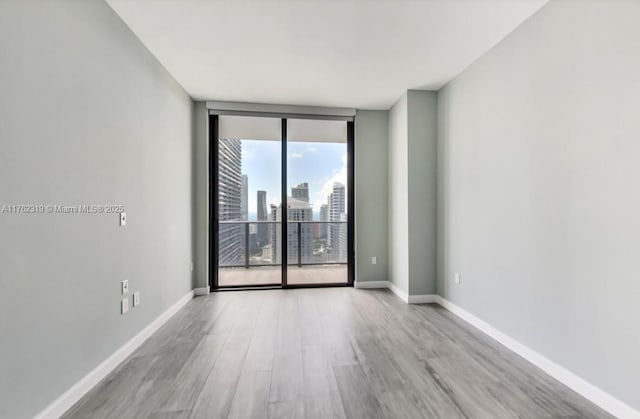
{"x": 136, "y": 298}
{"x": 123, "y": 219}
{"x": 125, "y": 286}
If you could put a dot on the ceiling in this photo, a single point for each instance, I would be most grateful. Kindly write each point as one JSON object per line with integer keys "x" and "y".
{"x": 353, "y": 53}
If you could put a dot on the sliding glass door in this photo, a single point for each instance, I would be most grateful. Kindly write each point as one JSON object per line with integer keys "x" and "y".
{"x": 266, "y": 170}
{"x": 317, "y": 201}
{"x": 249, "y": 173}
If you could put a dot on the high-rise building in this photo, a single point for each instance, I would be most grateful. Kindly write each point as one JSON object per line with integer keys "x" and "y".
{"x": 337, "y": 232}
{"x": 324, "y": 216}
{"x": 263, "y": 215}
{"x": 244, "y": 198}
{"x": 329, "y": 198}
{"x": 316, "y": 230}
{"x": 275, "y": 233}
{"x": 301, "y": 192}
{"x": 297, "y": 210}
{"x": 230, "y": 243}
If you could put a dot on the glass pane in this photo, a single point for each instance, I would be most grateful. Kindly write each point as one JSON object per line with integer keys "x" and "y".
{"x": 317, "y": 202}
{"x": 249, "y": 182}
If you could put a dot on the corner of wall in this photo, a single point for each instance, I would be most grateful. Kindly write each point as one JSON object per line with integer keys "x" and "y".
{"x": 194, "y": 225}
{"x": 413, "y": 192}
{"x": 201, "y": 195}
{"x": 398, "y": 195}
{"x": 371, "y": 189}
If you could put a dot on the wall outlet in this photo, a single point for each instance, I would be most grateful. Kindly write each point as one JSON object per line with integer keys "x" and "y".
{"x": 374, "y": 260}
{"x": 123, "y": 219}
{"x": 124, "y": 306}
{"x": 136, "y": 298}
{"x": 125, "y": 286}
{"x": 456, "y": 278}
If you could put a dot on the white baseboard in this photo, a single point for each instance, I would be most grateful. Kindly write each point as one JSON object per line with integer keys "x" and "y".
{"x": 201, "y": 291}
{"x": 59, "y": 406}
{"x": 410, "y": 299}
{"x": 423, "y": 299}
{"x": 371, "y": 284}
{"x": 383, "y": 284}
{"x": 399, "y": 292}
{"x": 579, "y": 385}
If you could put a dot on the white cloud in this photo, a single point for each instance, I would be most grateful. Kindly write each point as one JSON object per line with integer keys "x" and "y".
{"x": 339, "y": 176}
{"x": 300, "y": 154}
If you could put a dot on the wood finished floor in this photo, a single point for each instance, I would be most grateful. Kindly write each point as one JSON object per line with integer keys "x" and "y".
{"x": 324, "y": 353}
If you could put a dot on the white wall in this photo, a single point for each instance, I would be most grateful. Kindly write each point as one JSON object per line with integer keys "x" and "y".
{"x": 422, "y": 137}
{"x": 87, "y": 116}
{"x": 371, "y": 195}
{"x": 398, "y": 202}
{"x": 201, "y": 198}
{"x": 539, "y": 208}
{"x": 413, "y": 193}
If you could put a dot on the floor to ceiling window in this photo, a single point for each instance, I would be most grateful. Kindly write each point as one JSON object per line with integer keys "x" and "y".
{"x": 282, "y": 199}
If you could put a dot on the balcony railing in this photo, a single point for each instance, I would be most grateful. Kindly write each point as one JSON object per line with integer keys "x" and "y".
{"x": 258, "y": 243}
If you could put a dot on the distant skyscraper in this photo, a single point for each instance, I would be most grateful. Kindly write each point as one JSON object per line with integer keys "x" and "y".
{"x": 230, "y": 243}
{"x": 297, "y": 210}
{"x": 275, "y": 233}
{"x": 263, "y": 215}
{"x": 244, "y": 198}
{"x": 301, "y": 192}
{"x": 324, "y": 216}
{"x": 337, "y": 232}
{"x": 329, "y": 198}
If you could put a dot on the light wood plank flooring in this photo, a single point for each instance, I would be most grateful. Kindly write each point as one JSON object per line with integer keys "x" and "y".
{"x": 324, "y": 353}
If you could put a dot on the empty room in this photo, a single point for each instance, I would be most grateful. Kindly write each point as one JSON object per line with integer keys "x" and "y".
{"x": 319, "y": 209}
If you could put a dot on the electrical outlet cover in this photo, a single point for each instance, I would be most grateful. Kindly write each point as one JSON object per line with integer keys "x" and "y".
{"x": 124, "y": 306}
{"x": 136, "y": 298}
{"x": 125, "y": 286}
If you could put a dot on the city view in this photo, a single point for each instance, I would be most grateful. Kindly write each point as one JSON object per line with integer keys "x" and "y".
{"x": 250, "y": 211}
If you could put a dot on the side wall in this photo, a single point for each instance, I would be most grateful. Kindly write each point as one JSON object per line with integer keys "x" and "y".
{"x": 87, "y": 116}
{"x": 422, "y": 190}
{"x": 371, "y": 195}
{"x": 538, "y": 189}
{"x": 201, "y": 190}
{"x": 398, "y": 200}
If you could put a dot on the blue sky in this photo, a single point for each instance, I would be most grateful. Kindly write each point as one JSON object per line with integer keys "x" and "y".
{"x": 319, "y": 164}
